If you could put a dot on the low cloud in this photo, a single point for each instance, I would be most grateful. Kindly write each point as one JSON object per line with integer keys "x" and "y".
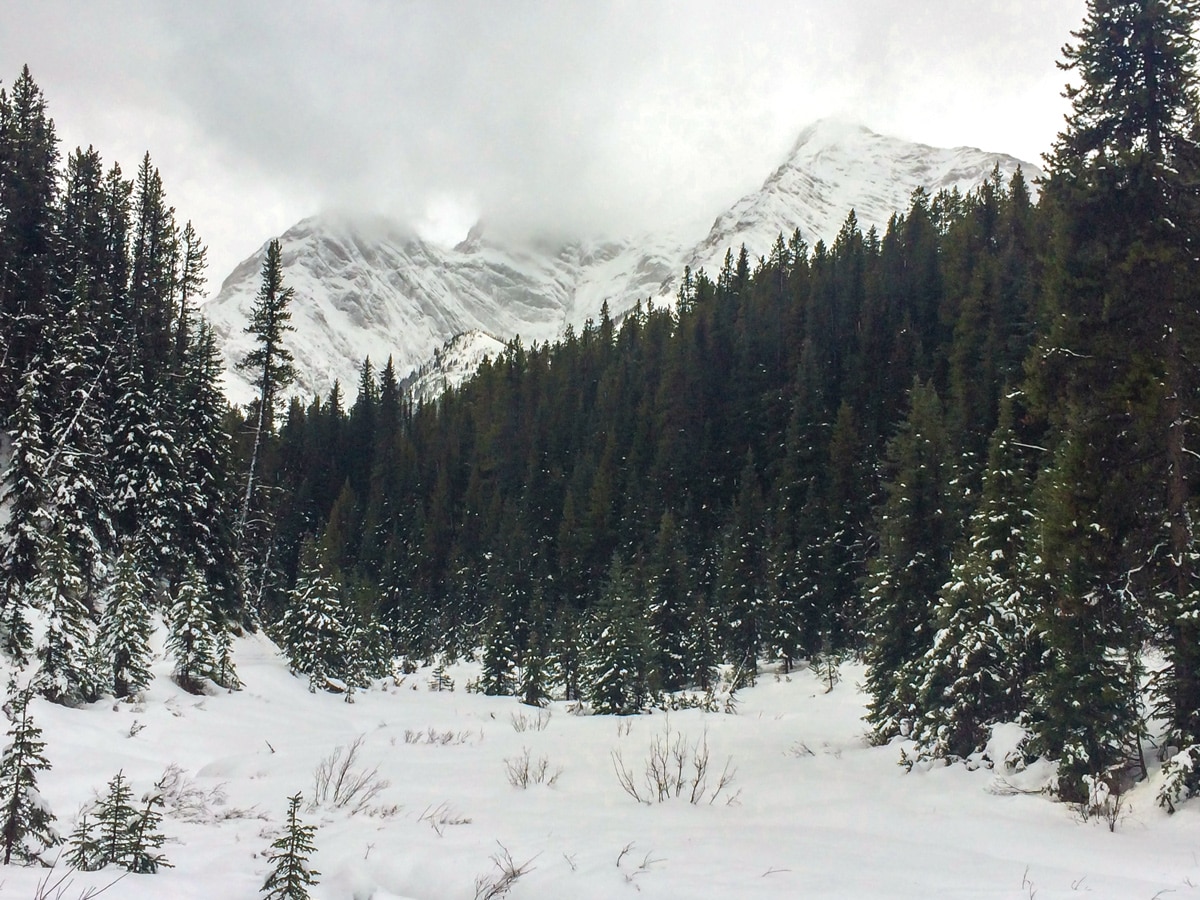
{"x": 545, "y": 117}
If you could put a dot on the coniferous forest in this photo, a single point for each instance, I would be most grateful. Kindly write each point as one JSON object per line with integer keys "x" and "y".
{"x": 961, "y": 448}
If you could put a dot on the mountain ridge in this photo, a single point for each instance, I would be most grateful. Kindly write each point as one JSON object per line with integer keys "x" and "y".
{"x": 369, "y": 286}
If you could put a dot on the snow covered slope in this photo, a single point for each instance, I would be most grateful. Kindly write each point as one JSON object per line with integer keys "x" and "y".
{"x": 837, "y": 166}
{"x": 452, "y": 363}
{"x": 368, "y": 286}
{"x": 812, "y": 811}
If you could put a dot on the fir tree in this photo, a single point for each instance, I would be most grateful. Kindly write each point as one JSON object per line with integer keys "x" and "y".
{"x": 669, "y": 606}
{"x": 23, "y": 495}
{"x": 190, "y": 632}
{"x": 742, "y": 578}
{"x": 269, "y": 363}
{"x": 1114, "y": 378}
{"x": 499, "y": 675}
{"x": 312, "y": 629}
{"x": 62, "y": 654}
{"x": 120, "y": 834}
{"x": 532, "y": 687}
{"x": 29, "y": 189}
{"x": 115, "y": 823}
{"x": 146, "y": 839}
{"x": 154, "y": 253}
{"x": 224, "y": 672}
{"x": 984, "y": 647}
{"x": 291, "y": 875}
{"x": 83, "y": 848}
{"x": 125, "y": 628}
{"x": 207, "y": 510}
{"x": 911, "y": 564}
{"x": 617, "y": 662}
{"x": 26, "y": 822}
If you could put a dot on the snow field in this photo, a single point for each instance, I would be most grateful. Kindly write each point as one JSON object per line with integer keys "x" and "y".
{"x": 816, "y": 813}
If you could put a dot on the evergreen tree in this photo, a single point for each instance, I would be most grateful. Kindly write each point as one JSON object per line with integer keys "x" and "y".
{"x": 120, "y": 834}
{"x": 911, "y": 564}
{"x": 115, "y": 823}
{"x": 499, "y": 675}
{"x": 533, "y": 684}
{"x": 148, "y": 491}
{"x": 23, "y": 495}
{"x": 742, "y": 579}
{"x": 62, "y": 654}
{"x": 1114, "y": 378}
{"x": 617, "y": 662}
{"x": 670, "y": 599}
{"x": 125, "y": 628}
{"x": 154, "y": 252}
{"x": 191, "y": 628}
{"x": 984, "y": 648}
{"x": 312, "y": 629}
{"x": 193, "y": 260}
{"x": 83, "y": 847}
{"x": 565, "y": 653}
{"x": 145, "y": 838}
{"x": 269, "y": 363}
{"x": 29, "y": 189}
{"x": 26, "y": 822}
{"x": 224, "y": 671}
{"x": 207, "y": 509}
{"x": 291, "y": 875}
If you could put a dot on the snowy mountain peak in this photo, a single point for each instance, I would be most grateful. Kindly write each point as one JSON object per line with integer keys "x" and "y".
{"x": 830, "y": 132}
{"x": 370, "y": 286}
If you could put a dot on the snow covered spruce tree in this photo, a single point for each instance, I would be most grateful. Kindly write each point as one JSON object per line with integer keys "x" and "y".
{"x": 23, "y": 487}
{"x": 1115, "y": 379}
{"x": 617, "y": 654}
{"x": 119, "y": 833}
{"x": 191, "y": 628}
{"x": 270, "y": 367}
{"x": 313, "y": 628}
{"x": 26, "y": 822}
{"x": 291, "y": 875}
{"x": 208, "y": 507}
{"x": 910, "y": 565}
{"x": 742, "y": 576}
{"x": 500, "y": 657}
{"x": 63, "y": 674}
{"x": 984, "y": 646}
{"x": 670, "y": 603}
{"x": 146, "y": 838}
{"x": 125, "y": 628}
{"x": 148, "y": 492}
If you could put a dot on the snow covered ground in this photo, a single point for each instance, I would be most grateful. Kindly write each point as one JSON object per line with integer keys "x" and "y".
{"x": 815, "y": 812}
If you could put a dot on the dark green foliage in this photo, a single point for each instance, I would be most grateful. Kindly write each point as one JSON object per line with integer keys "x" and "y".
{"x": 314, "y": 628}
{"x": 271, "y": 368}
{"x": 1113, "y": 378}
{"x": 916, "y": 532}
{"x": 291, "y": 875}
{"x": 125, "y": 627}
{"x": 114, "y": 823}
{"x": 984, "y": 646}
{"x": 26, "y": 822}
{"x": 191, "y": 632}
{"x": 62, "y": 675}
{"x": 144, "y": 857}
{"x": 119, "y": 833}
{"x": 116, "y": 455}
{"x": 618, "y": 653}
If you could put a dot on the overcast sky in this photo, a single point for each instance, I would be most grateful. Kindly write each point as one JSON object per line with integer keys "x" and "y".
{"x": 565, "y": 117}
